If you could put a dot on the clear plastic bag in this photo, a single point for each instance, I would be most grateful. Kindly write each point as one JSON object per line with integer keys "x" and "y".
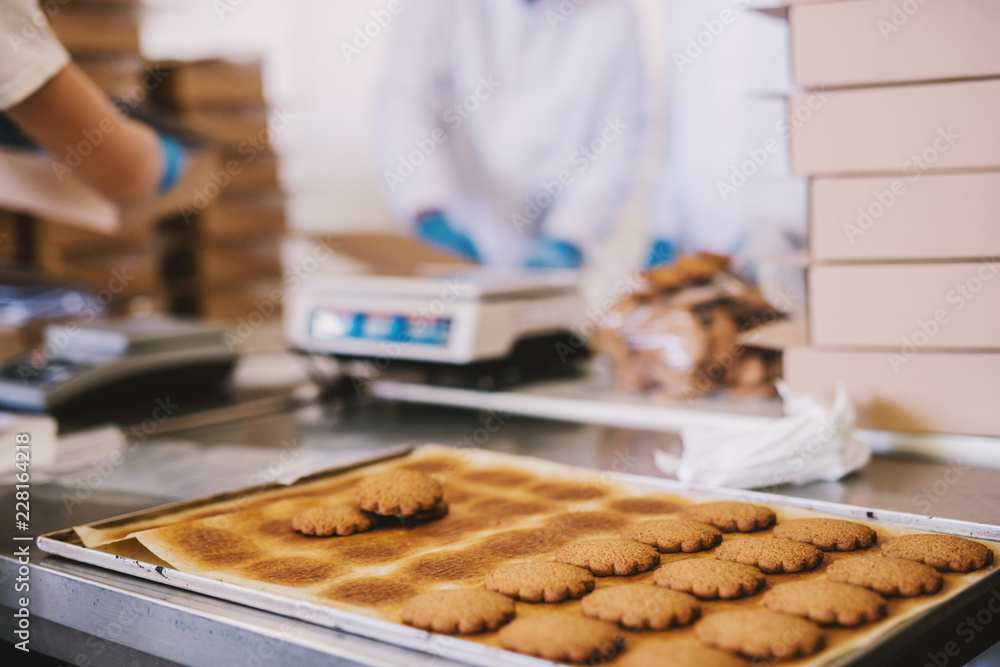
{"x": 678, "y": 336}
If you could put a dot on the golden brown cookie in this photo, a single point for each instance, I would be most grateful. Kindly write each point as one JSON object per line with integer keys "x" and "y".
{"x": 540, "y": 582}
{"x": 827, "y": 534}
{"x": 333, "y": 520}
{"x": 401, "y": 493}
{"x": 462, "y": 611}
{"x": 759, "y": 633}
{"x": 673, "y": 535}
{"x": 826, "y": 602}
{"x": 562, "y": 637}
{"x": 770, "y": 555}
{"x": 605, "y": 557}
{"x": 641, "y": 607}
{"x": 945, "y": 553}
{"x": 678, "y": 654}
{"x": 889, "y": 576}
{"x": 710, "y": 579}
{"x": 731, "y": 517}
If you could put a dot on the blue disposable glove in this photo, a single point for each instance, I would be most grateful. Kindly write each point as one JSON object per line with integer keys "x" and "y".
{"x": 552, "y": 254}
{"x": 174, "y": 162}
{"x": 661, "y": 252}
{"x": 435, "y": 230}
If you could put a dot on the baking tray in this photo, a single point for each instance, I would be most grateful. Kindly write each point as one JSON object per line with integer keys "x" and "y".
{"x": 67, "y": 544}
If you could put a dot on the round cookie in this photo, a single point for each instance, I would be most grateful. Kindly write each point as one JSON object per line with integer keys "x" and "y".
{"x": 945, "y": 553}
{"x": 333, "y": 520}
{"x": 641, "y": 607}
{"x": 893, "y": 577}
{"x": 540, "y": 582}
{"x": 826, "y": 602}
{"x": 770, "y": 555}
{"x": 759, "y": 633}
{"x": 710, "y": 579}
{"x": 730, "y": 517}
{"x": 673, "y": 535}
{"x": 679, "y": 654}
{"x": 400, "y": 493}
{"x": 461, "y": 611}
{"x": 560, "y": 637}
{"x": 605, "y": 557}
{"x": 827, "y": 534}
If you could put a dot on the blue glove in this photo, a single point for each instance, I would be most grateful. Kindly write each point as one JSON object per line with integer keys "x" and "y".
{"x": 174, "y": 162}
{"x": 660, "y": 253}
{"x": 435, "y": 230}
{"x": 552, "y": 254}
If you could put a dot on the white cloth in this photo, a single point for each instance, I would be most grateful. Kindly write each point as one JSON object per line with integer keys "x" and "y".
{"x": 552, "y": 77}
{"x": 811, "y": 443}
{"x": 729, "y": 67}
{"x": 30, "y": 54}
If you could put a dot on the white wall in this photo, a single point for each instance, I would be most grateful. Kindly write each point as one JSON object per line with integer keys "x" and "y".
{"x": 329, "y": 166}
{"x": 329, "y": 148}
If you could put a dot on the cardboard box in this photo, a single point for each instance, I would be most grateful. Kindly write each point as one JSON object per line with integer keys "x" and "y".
{"x": 211, "y": 83}
{"x": 939, "y": 216}
{"x": 242, "y": 126}
{"x": 901, "y": 129}
{"x": 116, "y": 275}
{"x": 890, "y": 41}
{"x": 119, "y": 76}
{"x": 68, "y": 241}
{"x": 252, "y": 170}
{"x": 906, "y": 306}
{"x": 236, "y": 216}
{"x": 387, "y": 254}
{"x": 931, "y": 392}
{"x": 97, "y": 28}
{"x": 10, "y": 238}
{"x": 29, "y": 184}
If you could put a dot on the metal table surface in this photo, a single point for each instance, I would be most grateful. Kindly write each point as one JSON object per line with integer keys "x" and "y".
{"x": 86, "y": 616}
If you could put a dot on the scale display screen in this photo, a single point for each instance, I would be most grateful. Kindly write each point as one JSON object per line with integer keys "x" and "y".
{"x": 328, "y": 325}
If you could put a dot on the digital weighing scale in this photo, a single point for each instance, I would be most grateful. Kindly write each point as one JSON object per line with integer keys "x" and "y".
{"x": 109, "y": 362}
{"x": 480, "y": 327}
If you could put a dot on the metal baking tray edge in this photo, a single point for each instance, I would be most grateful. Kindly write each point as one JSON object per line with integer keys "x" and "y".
{"x": 66, "y": 543}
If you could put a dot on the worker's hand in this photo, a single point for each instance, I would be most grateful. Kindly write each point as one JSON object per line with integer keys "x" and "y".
{"x": 174, "y": 162}
{"x": 554, "y": 254}
{"x": 661, "y": 252}
{"x": 435, "y": 230}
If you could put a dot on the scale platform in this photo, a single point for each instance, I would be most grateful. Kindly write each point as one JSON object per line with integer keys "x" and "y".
{"x": 482, "y": 328}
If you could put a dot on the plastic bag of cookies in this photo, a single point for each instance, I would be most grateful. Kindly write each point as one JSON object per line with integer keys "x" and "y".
{"x": 677, "y": 336}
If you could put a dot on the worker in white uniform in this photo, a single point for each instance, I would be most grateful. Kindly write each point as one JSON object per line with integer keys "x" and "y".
{"x": 47, "y": 100}
{"x": 511, "y": 129}
{"x": 725, "y": 173}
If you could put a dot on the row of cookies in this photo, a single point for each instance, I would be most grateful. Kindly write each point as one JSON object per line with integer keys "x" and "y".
{"x": 737, "y": 572}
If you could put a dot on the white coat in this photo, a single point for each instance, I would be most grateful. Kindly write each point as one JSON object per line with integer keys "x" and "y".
{"x": 726, "y": 173}
{"x": 515, "y": 118}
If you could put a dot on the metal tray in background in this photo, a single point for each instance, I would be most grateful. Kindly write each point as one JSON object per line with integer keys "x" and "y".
{"x": 67, "y": 544}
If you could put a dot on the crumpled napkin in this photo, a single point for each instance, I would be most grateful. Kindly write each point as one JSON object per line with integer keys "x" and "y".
{"x": 811, "y": 442}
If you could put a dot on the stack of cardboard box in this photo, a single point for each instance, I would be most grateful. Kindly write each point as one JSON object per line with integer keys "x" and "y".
{"x": 225, "y": 248}
{"x": 219, "y": 250}
{"x": 902, "y": 146}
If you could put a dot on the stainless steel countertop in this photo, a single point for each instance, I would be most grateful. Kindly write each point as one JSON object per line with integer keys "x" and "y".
{"x": 87, "y": 616}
